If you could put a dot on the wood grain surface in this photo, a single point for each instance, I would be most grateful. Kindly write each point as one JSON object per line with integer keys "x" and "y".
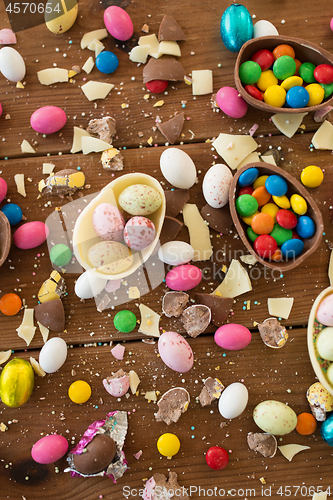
{"x": 282, "y": 374}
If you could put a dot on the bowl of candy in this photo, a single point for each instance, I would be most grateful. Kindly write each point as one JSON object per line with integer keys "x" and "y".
{"x": 284, "y": 75}
{"x": 276, "y": 218}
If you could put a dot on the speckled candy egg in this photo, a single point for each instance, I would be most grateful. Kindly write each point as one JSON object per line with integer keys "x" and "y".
{"x": 231, "y": 102}
{"x": 216, "y": 185}
{"x": 140, "y": 199}
{"x": 275, "y": 417}
{"x": 108, "y": 222}
{"x": 139, "y": 233}
{"x": 178, "y": 168}
{"x": 48, "y": 119}
{"x": 232, "y": 336}
{"x": 182, "y": 278}
{"x": 110, "y": 257}
{"x": 49, "y": 449}
{"x": 233, "y": 400}
{"x": 236, "y": 27}
{"x": 325, "y": 311}
{"x": 175, "y": 352}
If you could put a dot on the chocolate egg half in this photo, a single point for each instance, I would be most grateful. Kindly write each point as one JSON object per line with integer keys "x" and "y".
{"x": 97, "y": 455}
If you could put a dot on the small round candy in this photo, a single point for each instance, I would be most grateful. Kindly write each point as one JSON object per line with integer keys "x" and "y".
{"x": 245, "y": 190}
{"x": 265, "y": 246}
{"x": 306, "y": 424}
{"x": 276, "y": 185}
{"x": 10, "y": 304}
{"x": 107, "y": 62}
{"x": 157, "y": 86}
{"x": 298, "y": 204}
{"x": 292, "y": 248}
{"x": 125, "y": 321}
{"x": 295, "y": 235}
{"x": 328, "y": 89}
{"x": 13, "y": 213}
{"x": 284, "y": 67}
{"x": 260, "y": 181}
{"x": 264, "y": 58}
{"x": 297, "y": 97}
{"x": 251, "y": 234}
{"x": 305, "y": 227}
{"x": 246, "y": 205}
{"x": 306, "y": 72}
{"x": 271, "y": 209}
{"x": 248, "y": 177}
{"x": 283, "y": 50}
{"x": 275, "y": 96}
{"x": 277, "y": 256}
{"x": 281, "y": 235}
{"x": 60, "y": 255}
{"x": 231, "y": 103}
{"x": 298, "y": 65}
{"x": 266, "y": 80}
{"x": 248, "y": 220}
{"x": 217, "y": 458}
{"x": 262, "y": 223}
{"x": 79, "y": 392}
{"x": 286, "y": 218}
{"x": 281, "y": 201}
{"x": 312, "y": 176}
{"x": 3, "y": 189}
{"x": 254, "y": 92}
{"x": 292, "y": 81}
{"x": 324, "y": 73}
{"x": 261, "y": 195}
{"x": 168, "y": 444}
{"x": 316, "y": 93}
{"x": 249, "y": 72}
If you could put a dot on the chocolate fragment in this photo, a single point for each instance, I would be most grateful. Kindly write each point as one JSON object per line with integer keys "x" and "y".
{"x": 172, "y": 128}
{"x": 174, "y": 303}
{"x": 172, "y": 404}
{"x": 275, "y": 152}
{"x": 217, "y": 218}
{"x": 170, "y": 30}
{"x": 163, "y": 488}
{"x": 170, "y": 230}
{"x": 64, "y": 182}
{"x": 262, "y": 442}
{"x": 220, "y": 307}
{"x": 51, "y": 314}
{"x": 272, "y": 333}
{"x": 211, "y": 390}
{"x": 5, "y": 238}
{"x": 196, "y": 319}
{"x": 96, "y": 456}
{"x": 164, "y": 68}
{"x": 323, "y": 114}
{"x": 176, "y": 199}
{"x": 103, "y": 128}
{"x": 112, "y": 159}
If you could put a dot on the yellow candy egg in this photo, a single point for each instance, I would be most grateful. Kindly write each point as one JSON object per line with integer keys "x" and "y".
{"x": 168, "y": 444}
{"x": 316, "y": 93}
{"x": 260, "y": 181}
{"x": 266, "y": 79}
{"x": 79, "y": 392}
{"x": 281, "y": 201}
{"x": 270, "y": 209}
{"x": 298, "y": 204}
{"x": 60, "y": 15}
{"x": 312, "y": 176}
{"x": 16, "y": 382}
{"x": 292, "y": 81}
{"x": 275, "y": 96}
{"x": 248, "y": 220}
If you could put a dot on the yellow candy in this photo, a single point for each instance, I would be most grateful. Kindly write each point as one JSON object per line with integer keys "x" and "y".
{"x": 79, "y": 391}
{"x": 260, "y": 181}
{"x": 281, "y": 201}
{"x": 270, "y": 209}
{"x": 292, "y": 81}
{"x": 266, "y": 79}
{"x": 168, "y": 444}
{"x": 312, "y": 176}
{"x": 316, "y": 93}
{"x": 248, "y": 220}
{"x": 275, "y": 96}
{"x": 298, "y": 204}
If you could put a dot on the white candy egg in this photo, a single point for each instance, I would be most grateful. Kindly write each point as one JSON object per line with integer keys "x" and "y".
{"x": 233, "y": 400}
{"x": 176, "y": 253}
{"x": 53, "y": 355}
{"x": 178, "y": 168}
{"x": 12, "y": 65}
{"x": 216, "y": 185}
{"x": 88, "y": 285}
{"x": 264, "y": 28}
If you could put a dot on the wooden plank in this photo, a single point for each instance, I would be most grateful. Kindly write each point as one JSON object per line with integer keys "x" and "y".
{"x": 282, "y": 374}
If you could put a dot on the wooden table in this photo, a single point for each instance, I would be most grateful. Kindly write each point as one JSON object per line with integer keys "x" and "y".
{"x": 283, "y": 374}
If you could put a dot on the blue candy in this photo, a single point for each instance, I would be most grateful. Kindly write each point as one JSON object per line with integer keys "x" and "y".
{"x": 292, "y": 248}
{"x": 276, "y": 185}
{"x": 305, "y": 227}
{"x": 13, "y": 213}
{"x": 106, "y": 62}
{"x": 236, "y": 27}
{"x": 326, "y": 430}
{"x": 297, "y": 97}
{"x": 248, "y": 177}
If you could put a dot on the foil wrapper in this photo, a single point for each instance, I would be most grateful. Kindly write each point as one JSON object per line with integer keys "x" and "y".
{"x": 115, "y": 425}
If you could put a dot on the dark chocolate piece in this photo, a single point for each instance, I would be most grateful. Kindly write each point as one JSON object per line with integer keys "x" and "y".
{"x": 103, "y": 128}
{"x": 170, "y": 30}
{"x": 196, "y": 319}
{"x": 217, "y": 218}
{"x": 220, "y": 307}
{"x": 172, "y": 128}
{"x": 272, "y": 333}
{"x": 97, "y": 455}
{"x": 51, "y": 314}
{"x": 211, "y": 390}
{"x": 176, "y": 199}
{"x": 170, "y": 229}
{"x": 5, "y": 238}
{"x": 264, "y": 443}
{"x": 275, "y": 152}
{"x": 174, "y": 303}
{"x": 172, "y": 404}
{"x": 164, "y": 68}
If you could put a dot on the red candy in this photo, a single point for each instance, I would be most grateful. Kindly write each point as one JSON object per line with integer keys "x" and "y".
{"x": 157, "y": 86}
{"x": 324, "y": 73}
{"x": 217, "y": 458}
{"x": 254, "y": 92}
{"x": 264, "y": 58}
{"x": 286, "y": 219}
{"x": 295, "y": 236}
{"x": 245, "y": 190}
{"x": 265, "y": 245}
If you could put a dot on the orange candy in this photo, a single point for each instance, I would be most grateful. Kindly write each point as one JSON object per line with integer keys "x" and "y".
{"x": 277, "y": 255}
{"x": 283, "y": 50}
{"x": 306, "y": 424}
{"x": 10, "y": 304}
{"x": 262, "y": 223}
{"x": 261, "y": 195}
{"x": 298, "y": 64}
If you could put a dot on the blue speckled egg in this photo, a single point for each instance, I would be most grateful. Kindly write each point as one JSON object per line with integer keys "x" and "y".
{"x": 326, "y": 430}
{"x": 236, "y": 27}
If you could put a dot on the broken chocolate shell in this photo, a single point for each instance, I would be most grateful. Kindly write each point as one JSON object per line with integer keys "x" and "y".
{"x": 97, "y": 455}
{"x": 165, "y": 68}
{"x": 272, "y": 333}
{"x": 64, "y": 182}
{"x": 262, "y": 442}
{"x": 103, "y": 128}
{"x": 169, "y": 231}
{"x": 52, "y": 288}
{"x": 172, "y": 404}
{"x": 170, "y": 30}
{"x": 211, "y": 391}
{"x": 172, "y": 128}
{"x": 218, "y": 218}
{"x": 117, "y": 384}
{"x": 158, "y": 486}
{"x": 112, "y": 159}
{"x": 176, "y": 199}
{"x": 196, "y": 319}
{"x": 5, "y": 238}
{"x": 174, "y": 303}
{"x": 275, "y": 152}
{"x": 51, "y": 314}
{"x": 220, "y": 307}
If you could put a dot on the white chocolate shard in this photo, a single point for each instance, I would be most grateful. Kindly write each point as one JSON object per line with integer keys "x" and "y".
{"x": 248, "y": 259}
{"x": 93, "y": 35}
{"x": 236, "y": 282}
{"x": 280, "y": 307}
{"x": 133, "y": 292}
{"x": 52, "y": 75}
{"x": 78, "y": 134}
{"x": 19, "y": 181}
{"x": 202, "y": 81}
{"x": 26, "y": 147}
{"x": 37, "y": 368}
{"x": 26, "y": 330}
{"x": 96, "y": 90}
{"x": 48, "y": 168}
{"x": 199, "y": 233}
{"x": 44, "y": 331}
{"x": 169, "y": 48}
{"x": 88, "y": 65}
{"x": 151, "y": 396}
{"x": 149, "y": 324}
{"x": 323, "y": 138}
{"x": 139, "y": 53}
{"x": 93, "y": 145}
{"x": 288, "y": 123}
{"x": 268, "y": 159}
{"x": 154, "y": 44}
{"x": 234, "y": 148}
{"x": 4, "y": 356}
{"x": 290, "y": 450}
{"x": 134, "y": 381}
{"x": 251, "y": 158}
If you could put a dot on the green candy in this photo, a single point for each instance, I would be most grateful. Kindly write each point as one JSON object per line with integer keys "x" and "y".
{"x": 251, "y": 234}
{"x": 60, "y": 255}
{"x": 306, "y": 72}
{"x": 246, "y": 205}
{"x": 249, "y": 72}
{"x": 280, "y": 234}
{"x": 328, "y": 88}
{"x": 284, "y": 67}
{"x": 124, "y": 321}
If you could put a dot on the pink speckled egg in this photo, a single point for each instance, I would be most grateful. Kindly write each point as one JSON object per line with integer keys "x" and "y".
{"x": 182, "y": 278}
{"x": 325, "y": 311}
{"x": 48, "y": 119}
{"x": 30, "y": 235}
{"x": 49, "y": 449}
{"x": 118, "y": 23}
{"x": 139, "y": 233}
{"x": 216, "y": 185}
{"x": 175, "y": 352}
{"x": 232, "y": 337}
{"x": 108, "y": 222}
{"x": 118, "y": 384}
{"x": 3, "y": 189}
{"x": 231, "y": 103}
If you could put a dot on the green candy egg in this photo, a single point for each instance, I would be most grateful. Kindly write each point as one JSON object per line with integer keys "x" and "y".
{"x": 16, "y": 382}
{"x": 125, "y": 321}
{"x": 60, "y": 255}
